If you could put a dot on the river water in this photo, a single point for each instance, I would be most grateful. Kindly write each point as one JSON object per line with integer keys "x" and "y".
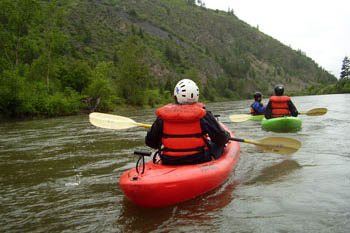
{"x": 61, "y": 175}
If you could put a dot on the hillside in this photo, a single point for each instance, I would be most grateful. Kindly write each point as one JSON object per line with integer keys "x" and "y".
{"x": 214, "y": 42}
{"x": 100, "y": 54}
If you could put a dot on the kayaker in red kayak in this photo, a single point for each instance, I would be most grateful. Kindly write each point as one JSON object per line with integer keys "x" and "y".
{"x": 257, "y": 108}
{"x": 181, "y": 130}
{"x": 280, "y": 105}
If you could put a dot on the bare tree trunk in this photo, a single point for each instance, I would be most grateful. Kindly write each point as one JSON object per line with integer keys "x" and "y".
{"x": 96, "y": 104}
{"x": 48, "y": 70}
{"x": 17, "y": 45}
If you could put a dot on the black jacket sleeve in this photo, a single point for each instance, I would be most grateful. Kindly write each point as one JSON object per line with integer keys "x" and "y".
{"x": 210, "y": 126}
{"x": 154, "y": 135}
{"x": 268, "y": 112}
{"x": 293, "y": 110}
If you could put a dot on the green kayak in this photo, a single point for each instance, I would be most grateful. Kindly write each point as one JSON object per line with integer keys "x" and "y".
{"x": 256, "y": 118}
{"x": 282, "y": 124}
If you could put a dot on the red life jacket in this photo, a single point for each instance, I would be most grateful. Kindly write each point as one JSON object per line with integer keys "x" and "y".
{"x": 279, "y": 105}
{"x": 182, "y": 133}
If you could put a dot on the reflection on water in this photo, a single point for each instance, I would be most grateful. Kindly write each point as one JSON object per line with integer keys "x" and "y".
{"x": 275, "y": 173}
{"x": 135, "y": 219}
{"x": 200, "y": 212}
{"x": 61, "y": 175}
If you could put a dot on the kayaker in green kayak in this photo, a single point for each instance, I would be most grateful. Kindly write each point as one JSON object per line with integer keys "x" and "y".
{"x": 280, "y": 105}
{"x": 257, "y": 108}
{"x": 182, "y": 129}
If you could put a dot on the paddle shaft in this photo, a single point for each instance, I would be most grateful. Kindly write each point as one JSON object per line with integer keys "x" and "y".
{"x": 243, "y": 140}
{"x": 145, "y": 125}
{"x": 237, "y": 139}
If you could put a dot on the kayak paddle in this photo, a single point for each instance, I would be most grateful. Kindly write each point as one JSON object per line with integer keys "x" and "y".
{"x": 242, "y": 117}
{"x": 109, "y": 121}
{"x": 315, "y": 112}
{"x": 278, "y": 145}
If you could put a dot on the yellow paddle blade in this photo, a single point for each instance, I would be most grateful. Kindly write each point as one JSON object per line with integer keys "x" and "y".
{"x": 316, "y": 112}
{"x": 279, "y": 145}
{"x": 240, "y": 117}
{"x": 109, "y": 121}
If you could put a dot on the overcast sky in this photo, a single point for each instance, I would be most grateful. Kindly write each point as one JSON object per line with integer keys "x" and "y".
{"x": 320, "y": 28}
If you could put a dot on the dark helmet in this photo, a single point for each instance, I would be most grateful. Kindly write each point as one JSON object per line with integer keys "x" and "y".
{"x": 257, "y": 95}
{"x": 279, "y": 89}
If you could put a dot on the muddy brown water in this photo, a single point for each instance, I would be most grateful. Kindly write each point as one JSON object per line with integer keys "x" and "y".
{"x": 61, "y": 175}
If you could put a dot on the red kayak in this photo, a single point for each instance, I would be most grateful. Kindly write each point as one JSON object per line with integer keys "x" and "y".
{"x": 161, "y": 185}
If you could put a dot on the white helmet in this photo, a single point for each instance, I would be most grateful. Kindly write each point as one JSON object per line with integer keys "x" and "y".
{"x": 186, "y": 92}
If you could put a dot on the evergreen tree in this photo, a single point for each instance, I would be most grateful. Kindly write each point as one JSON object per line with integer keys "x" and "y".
{"x": 345, "y": 69}
{"x": 191, "y": 2}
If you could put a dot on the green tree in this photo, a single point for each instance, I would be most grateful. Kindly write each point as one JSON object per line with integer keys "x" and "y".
{"x": 191, "y": 2}
{"x": 209, "y": 92}
{"x": 133, "y": 76}
{"x": 53, "y": 40}
{"x": 345, "y": 69}
{"x": 193, "y": 74}
{"x": 16, "y": 19}
{"x": 172, "y": 56}
{"x": 100, "y": 91}
{"x": 74, "y": 74}
{"x": 14, "y": 94}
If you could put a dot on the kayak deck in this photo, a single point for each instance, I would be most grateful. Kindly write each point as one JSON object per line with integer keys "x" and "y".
{"x": 282, "y": 124}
